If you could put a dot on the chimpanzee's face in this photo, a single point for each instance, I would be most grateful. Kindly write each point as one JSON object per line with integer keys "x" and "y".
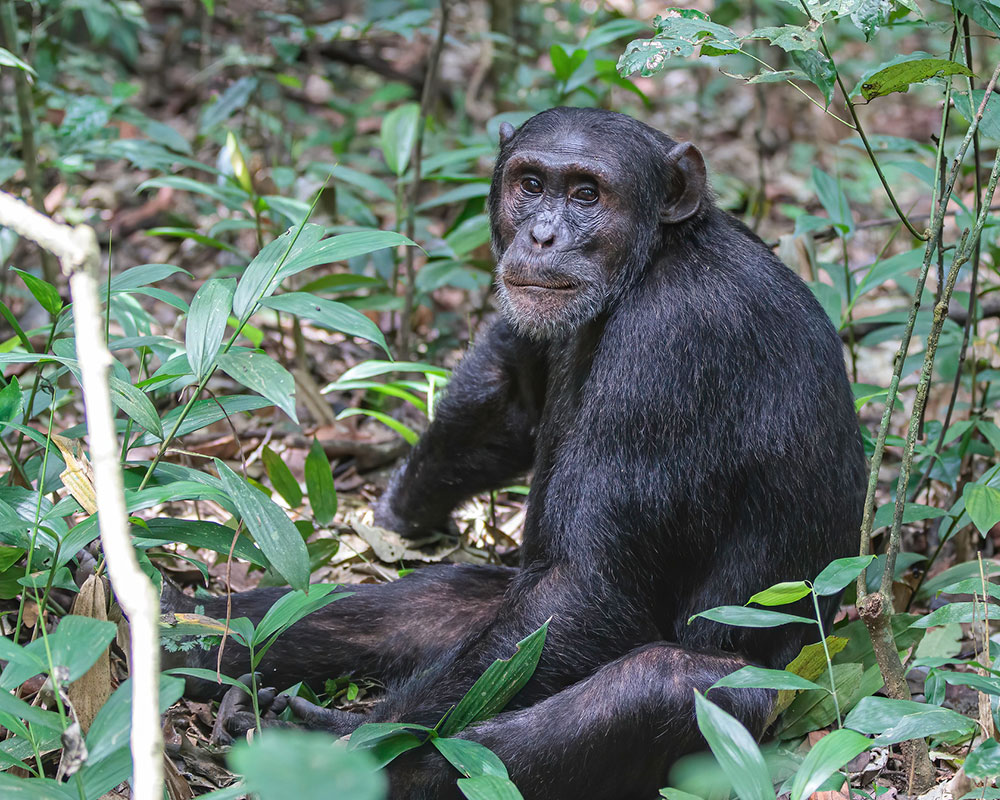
{"x": 562, "y": 231}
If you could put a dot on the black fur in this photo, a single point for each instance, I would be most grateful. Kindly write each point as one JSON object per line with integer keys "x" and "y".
{"x": 692, "y": 439}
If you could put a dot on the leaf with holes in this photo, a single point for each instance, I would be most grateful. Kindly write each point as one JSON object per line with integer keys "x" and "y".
{"x": 678, "y": 32}
{"x": 789, "y": 37}
{"x": 899, "y": 77}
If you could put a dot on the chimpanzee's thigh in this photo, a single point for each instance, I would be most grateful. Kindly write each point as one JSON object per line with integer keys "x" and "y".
{"x": 380, "y": 630}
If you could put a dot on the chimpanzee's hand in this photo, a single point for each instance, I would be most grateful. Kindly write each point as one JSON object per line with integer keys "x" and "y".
{"x": 386, "y": 516}
{"x": 236, "y": 715}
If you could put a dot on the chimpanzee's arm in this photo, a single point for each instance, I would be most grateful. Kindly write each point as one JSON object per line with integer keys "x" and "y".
{"x": 482, "y": 436}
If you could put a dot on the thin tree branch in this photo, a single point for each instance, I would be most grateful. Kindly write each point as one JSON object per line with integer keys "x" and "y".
{"x": 78, "y": 252}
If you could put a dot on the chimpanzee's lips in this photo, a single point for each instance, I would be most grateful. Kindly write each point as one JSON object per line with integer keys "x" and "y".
{"x": 533, "y": 283}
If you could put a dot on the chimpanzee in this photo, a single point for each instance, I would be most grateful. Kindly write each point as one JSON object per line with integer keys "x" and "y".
{"x": 681, "y": 401}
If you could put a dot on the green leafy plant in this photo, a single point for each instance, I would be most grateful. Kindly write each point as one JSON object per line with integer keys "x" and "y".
{"x": 486, "y": 777}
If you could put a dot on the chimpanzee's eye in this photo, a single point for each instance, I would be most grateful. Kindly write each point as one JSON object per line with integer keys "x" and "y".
{"x": 531, "y": 185}
{"x": 585, "y": 194}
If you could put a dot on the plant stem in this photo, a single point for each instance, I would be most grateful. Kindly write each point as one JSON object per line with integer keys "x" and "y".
{"x": 868, "y": 148}
{"x": 26, "y": 116}
{"x": 936, "y": 225}
{"x": 426, "y": 96}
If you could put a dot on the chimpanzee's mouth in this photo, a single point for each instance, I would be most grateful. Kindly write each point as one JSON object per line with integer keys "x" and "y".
{"x": 537, "y": 285}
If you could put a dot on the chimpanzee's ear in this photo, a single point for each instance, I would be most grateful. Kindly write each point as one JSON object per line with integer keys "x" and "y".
{"x": 688, "y": 165}
{"x": 506, "y": 133}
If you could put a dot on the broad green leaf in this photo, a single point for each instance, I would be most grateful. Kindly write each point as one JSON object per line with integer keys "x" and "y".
{"x": 565, "y": 63}
{"x": 111, "y": 727}
{"x": 44, "y": 292}
{"x": 8, "y": 315}
{"x": 76, "y": 644}
{"x": 262, "y": 374}
{"x": 870, "y": 15}
{"x": 889, "y": 269}
{"x": 293, "y": 606}
{"x": 408, "y": 434}
{"x": 967, "y": 569}
{"x": 838, "y": 574}
{"x": 261, "y": 277}
{"x": 912, "y": 512}
{"x": 495, "y": 687}
{"x": 281, "y": 477}
{"x": 143, "y": 275}
{"x": 899, "y": 77}
{"x": 983, "y": 763}
{"x": 983, "y": 504}
{"x": 228, "y": 196}
{"x": 489, "y": 787}
{"x": 986, "y": 684}
{"x": 819, "y": 69}
{"x": 206, "y": 323}
{"x": 744, "y": 617}
{"x": 373, "y": 732}
{"x": 611, "y": 32}
{"x": 342, "y": 247}
{"x": 470, "y": 234}
{"x": 677, "y": 794}
{"x": 319, "y": 484}
{"x": 362, "y": 180}
{"x": 398, "y": 135}
{"x": 15, "y": 788}
{"x": 956, "y": 612}
{"x": 234, "y": 98}
{"x": 470, "y": 758}
{"x": 271, "y": 529}
{"x": 306, "y": 765}
{"x": 8, "y": 59}
{"x": 136, "y": 405}
{"x": 735, "y": 750}
{"x": 751, "y": 677}
{"x": 198, "y": 533}
{"x": 369, "y": 369}
{"x": 827, "y": 756}
{"x": 330, "y": 314}
{"x": 11, "y": 402}
{"x": 781, "y": 594}
{"x": 828, "y": 297}
{"x": 467, "y": 191}
{"x": 989, "y": 125}
{"x": 194, "y": 236}
{"x": 832, "y": 196}
{"x": 901, "y": 720}
{"x": 813, "y": 710}
{"x": 789, "y": 37}
{"x": 384, "y": 741}
{"x": 678, "y": 32}
{"x": 973, "y": 586}
{"x": 206, "y": 412}
{"x": 10, "y": 704}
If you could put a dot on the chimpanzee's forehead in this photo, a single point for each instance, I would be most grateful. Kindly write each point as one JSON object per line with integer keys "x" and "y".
{"x": 564, "y": 159}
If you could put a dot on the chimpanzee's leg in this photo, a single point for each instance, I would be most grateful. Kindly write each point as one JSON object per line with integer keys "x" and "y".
{"x": 381, "y": 630}
{"x": 612, "y": 736}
